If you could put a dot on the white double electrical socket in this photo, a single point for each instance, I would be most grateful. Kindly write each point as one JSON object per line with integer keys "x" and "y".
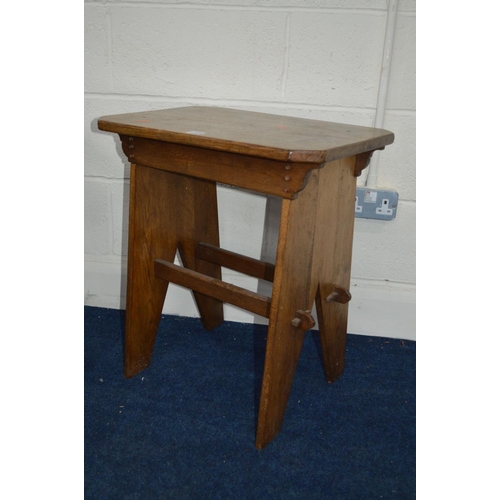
{"x": 375, "y": 203}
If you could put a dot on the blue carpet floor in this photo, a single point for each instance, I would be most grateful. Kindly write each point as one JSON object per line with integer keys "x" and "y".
{"x": 184, "y": 428}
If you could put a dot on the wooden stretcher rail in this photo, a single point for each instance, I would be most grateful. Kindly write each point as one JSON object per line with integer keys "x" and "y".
{"x": 232, "y": 294}
{"x": 236, "y": 262}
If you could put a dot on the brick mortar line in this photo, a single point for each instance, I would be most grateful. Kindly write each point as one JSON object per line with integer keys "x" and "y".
{"x": 237, "y": 102}
{"x": 261, "y": 8}
{"x": 208, "y": 100}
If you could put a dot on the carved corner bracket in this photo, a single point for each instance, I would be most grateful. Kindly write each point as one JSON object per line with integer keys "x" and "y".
{"x": 128, "y": 147}
{"x": 363, "y": 160}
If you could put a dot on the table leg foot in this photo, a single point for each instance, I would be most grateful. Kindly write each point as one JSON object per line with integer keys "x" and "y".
{"x": 293, "y": 291}
{"x": 198, "y": 222}
{"x": 332, "y": 258}
{"x": 150, "y": 237}
{"x": 332, "y": 324}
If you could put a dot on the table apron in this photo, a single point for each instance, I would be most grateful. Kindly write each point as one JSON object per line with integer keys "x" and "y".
{"x": 283, "y": 179}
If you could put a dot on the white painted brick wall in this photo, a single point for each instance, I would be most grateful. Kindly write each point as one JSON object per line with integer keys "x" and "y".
{"x": 317, "y": 59}
{"x": 98, "y": 220}
{"x": 334, "y": 58}
{"x": 224, "y": 54}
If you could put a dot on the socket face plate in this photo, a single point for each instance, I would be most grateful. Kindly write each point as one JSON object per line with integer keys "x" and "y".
{"x": 375, "y": 203}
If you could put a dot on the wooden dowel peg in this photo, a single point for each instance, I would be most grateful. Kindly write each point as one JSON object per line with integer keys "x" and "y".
{"x": 303, "y": 320}
{"x": 339, "y": 294}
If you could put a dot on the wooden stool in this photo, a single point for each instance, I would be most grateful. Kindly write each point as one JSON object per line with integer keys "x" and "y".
{"x": 177, "y": 157}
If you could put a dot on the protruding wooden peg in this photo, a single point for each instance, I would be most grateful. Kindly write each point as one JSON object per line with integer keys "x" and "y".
{"x": 303, "y": 320}
{"x": 339, "y": 294}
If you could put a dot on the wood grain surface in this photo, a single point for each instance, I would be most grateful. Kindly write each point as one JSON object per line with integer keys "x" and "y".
{"x": 246, "y": 132}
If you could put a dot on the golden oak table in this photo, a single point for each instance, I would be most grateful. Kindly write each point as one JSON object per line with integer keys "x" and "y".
{"x": 177, "y": 158}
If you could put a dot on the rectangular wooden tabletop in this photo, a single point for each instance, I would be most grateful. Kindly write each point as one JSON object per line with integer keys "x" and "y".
{"x": 254, "y": 134}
